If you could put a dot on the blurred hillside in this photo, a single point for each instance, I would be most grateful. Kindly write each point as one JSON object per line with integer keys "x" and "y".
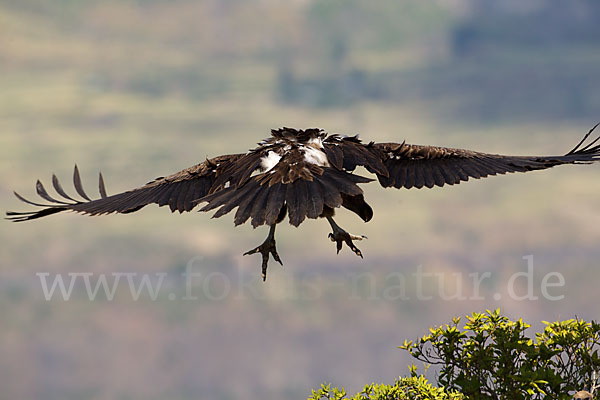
{"x": 144, "y": 88}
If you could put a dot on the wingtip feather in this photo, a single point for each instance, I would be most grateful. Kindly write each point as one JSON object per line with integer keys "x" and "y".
{"x": 78, "y": 185}
{"x": 101, "y": 186}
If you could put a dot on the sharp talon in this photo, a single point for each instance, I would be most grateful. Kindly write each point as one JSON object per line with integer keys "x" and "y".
{"x": 354, "y": 248}
{"x": 253, "y": 251}
{"x": 276, "y": 257}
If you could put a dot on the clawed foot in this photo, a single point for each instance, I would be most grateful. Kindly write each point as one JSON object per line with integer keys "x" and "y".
{"x": 341, "y": 236}
{"x": 268, "y": 247}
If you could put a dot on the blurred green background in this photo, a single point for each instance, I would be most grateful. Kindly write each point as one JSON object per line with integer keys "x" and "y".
{"x": 144, "y": 88}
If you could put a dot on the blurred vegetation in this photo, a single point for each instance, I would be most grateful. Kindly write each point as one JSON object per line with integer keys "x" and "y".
{"x": 491, "y": 61}
{"x": 143, "y": 88}
{"x": 492, "y": 67}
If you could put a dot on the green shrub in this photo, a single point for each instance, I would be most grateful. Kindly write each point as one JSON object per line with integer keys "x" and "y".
{"x": 492, "y": 358}
{"x": 411, "y": 388}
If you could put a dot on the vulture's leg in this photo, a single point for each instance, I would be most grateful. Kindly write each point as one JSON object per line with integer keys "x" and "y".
{"x": 341, "y": 236}
{"x": 268, "y": 247}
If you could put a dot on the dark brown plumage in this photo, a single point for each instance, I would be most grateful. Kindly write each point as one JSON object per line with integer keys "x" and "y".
{"x": 301, "y": 174}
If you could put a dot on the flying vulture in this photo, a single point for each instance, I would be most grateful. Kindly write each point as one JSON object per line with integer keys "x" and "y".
{"x": 301, "y": 174}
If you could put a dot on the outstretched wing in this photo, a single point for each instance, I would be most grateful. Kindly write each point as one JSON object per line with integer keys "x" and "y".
{"x": 179, "y": 191}
{"x": 402, "y": 165}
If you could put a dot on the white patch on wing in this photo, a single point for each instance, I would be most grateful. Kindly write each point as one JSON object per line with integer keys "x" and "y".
{"x": 315, "y": 156}
{"x": 268, "y": 162}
